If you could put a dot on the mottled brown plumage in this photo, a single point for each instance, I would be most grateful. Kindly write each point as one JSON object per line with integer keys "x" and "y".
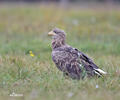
{"x": 69, "y": 60}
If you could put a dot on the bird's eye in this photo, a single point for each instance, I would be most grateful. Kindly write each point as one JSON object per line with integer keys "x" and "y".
{"x": 54, "y": 31}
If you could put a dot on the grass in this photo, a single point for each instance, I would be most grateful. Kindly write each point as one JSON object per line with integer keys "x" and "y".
{"x": 24, "y": 28}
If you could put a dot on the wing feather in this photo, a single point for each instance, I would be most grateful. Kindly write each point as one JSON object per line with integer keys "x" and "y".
{"x": 69, "y": 59}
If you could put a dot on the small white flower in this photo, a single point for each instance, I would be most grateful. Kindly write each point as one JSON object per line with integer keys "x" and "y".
{"x": 75, "y": 22}
{"x": 3, "y": 82}
{"x": 97, "y": 86}
{"x": 70, "y": 94}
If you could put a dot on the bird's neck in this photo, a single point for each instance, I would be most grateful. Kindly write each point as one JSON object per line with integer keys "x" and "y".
{"x": 57, "y": 43}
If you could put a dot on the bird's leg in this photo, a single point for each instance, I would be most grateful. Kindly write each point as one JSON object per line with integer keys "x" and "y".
{"x": 65, "y": 75}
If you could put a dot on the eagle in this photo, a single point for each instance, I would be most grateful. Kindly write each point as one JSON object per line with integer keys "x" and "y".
{"x": 71, "y": 61}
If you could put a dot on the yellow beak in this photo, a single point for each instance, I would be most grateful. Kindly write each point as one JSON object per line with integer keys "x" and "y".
{"x": 51, "y": 33}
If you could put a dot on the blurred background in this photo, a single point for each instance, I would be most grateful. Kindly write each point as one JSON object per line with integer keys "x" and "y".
{"x": 64, "y": 1}
{"x": 26, "y": 67}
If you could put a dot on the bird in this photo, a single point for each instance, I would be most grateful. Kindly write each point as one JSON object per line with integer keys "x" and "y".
{"x": 72, "y": 62}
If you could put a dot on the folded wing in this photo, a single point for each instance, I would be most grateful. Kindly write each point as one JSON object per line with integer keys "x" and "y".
{"x": 74, "y": 63}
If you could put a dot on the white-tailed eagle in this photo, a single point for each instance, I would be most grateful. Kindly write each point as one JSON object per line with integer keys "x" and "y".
{"x": 71, "y": 61}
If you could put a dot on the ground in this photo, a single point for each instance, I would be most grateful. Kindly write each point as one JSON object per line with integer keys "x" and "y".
{"x": 24, "y": 28}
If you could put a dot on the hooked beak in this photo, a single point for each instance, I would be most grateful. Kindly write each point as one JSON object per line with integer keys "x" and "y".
{"x": 51, "y": 33}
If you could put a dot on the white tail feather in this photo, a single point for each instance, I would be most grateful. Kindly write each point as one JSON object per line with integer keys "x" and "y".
{"x": 101, "y": 71}
{"x": 97, "y": 73}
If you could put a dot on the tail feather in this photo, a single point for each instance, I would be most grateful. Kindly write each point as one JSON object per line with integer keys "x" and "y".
{"x": 100, "y": 72}
{"x": 97, "y": 73}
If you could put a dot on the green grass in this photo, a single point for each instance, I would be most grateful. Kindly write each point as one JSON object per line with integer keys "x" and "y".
{"x": 24, "y": 28}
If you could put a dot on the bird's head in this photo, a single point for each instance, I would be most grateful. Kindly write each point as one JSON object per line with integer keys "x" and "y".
{"x": 58, "y": 36}
{"x": 57, "y": 33}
